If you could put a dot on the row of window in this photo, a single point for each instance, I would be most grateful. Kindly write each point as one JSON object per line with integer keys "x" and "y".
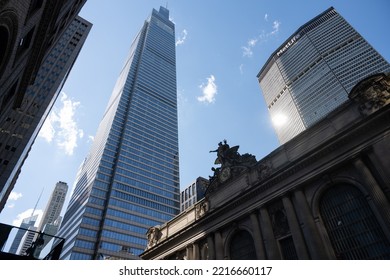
{"x": 124, "y": 237}
{"x": 134, "y": 218}
{"x": 150, "y": 160}
{"x": 150, "y": 195}
{"x": 156, "y": 136}
{"x": 173, "y": 187}
{"x": 120, "y": 248}
{"x": 129, "y": 167}
{"x": 148, "y": 188}
{"x": 159, "y": 161}
{"x": 149, "y": 212}
{"x": 141, "y": 201}
{"x": 125, "y": 226}
{"x": 80, "y": 256}
{"x": 84, "y": 244}
{"x": 88, "y": 232}
{"x": 164, "y": 116}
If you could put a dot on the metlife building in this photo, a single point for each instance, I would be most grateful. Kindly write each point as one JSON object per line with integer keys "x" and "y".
{"x": 313, "y": 71}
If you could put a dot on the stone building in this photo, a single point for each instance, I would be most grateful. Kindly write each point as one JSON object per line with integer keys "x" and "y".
{"x": 325, "y": 194}
{"x": 39, "y": 43}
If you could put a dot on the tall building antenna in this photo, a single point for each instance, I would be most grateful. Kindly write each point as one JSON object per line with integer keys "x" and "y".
{"x": 36, "y": 204}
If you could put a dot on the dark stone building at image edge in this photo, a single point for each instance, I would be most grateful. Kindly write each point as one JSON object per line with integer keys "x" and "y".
{"x": 325, "y": 194}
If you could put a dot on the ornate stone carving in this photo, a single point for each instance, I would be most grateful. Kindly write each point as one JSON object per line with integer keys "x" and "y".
{"x": 154, "y": 235}
{"x": 232, "y": 164}
{"x": 201, "y": 209}
{"x": 264, "y": 170}
{"x": 372, "y": 93}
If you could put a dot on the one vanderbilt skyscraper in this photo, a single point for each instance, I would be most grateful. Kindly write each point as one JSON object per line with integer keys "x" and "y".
{"x": 129, "y": 182}
{"x": 313, "y": 71}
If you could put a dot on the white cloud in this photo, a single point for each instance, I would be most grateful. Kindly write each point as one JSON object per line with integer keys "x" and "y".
{"x": 209, "y": 90}
{"x": 275, "y": 27}
{"x": 261, "y": 38}
{"x": 26, "y": 214}
{"x": 14, "y": 195}
{"x": 241, "y": 69}
{"x": 47, "y": 131}
{"x": 182, "y": 38}
{"x": 61, "y": 126}
{"x": 248, "y": 49}
{"x": 252, "y": 42}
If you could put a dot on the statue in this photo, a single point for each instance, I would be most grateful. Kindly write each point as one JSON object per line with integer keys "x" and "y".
{"x": 225, "y": 154}
{"x": 232, "y": 163}
{"x": 372, "y": 93}
{"x": 221, "y": 152}
{"x": 153, "y": 235}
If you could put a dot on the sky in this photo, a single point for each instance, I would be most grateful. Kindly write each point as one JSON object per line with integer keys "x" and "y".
{"x": 220, "y": 48}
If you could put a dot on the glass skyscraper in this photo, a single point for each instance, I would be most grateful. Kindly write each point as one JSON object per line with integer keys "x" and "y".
{"x": 313, "y": 71}
{"x": 130, "y": 179}
{"x": 26, "y": 224}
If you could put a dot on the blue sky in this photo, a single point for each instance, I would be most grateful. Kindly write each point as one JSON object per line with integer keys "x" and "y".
{"x": 221, "y": 46}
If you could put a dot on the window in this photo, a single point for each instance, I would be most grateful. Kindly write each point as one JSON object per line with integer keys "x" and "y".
{"x": 288, "y": 248}
{"x": 25, "y": 42}
{"x": 351, "y": 225}
{"x": 242, "y": 246}
{"x": 4, "y": 38}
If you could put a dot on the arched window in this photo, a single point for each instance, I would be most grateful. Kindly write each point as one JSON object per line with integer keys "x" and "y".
{"x": 8, "y": 33}
{"x": 242, "y": 246}
{"x": 4, "y": 39}
{"x": 351, "y": 225}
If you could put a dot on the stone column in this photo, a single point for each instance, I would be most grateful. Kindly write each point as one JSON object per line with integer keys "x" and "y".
{"x": 314, "y": 243}
{"x": 271, "y": 246}
{"x": 295, "y": 229}
{"x": 211, "y": 247}
{"x": 219, "y": 252}
{"x": 381, "y": 204}
{"x": 258, "y": 238}
{"x": 189, "y": 252}
{"x": 195, "y": 251}
{"x": 384, "y": 175}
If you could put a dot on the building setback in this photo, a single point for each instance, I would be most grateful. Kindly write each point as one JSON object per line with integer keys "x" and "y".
{"x": 40, "y": 41}
{"x": 323, "y": 195}
{"x": 130, "y": 179}
{"x": 313, "y": 71}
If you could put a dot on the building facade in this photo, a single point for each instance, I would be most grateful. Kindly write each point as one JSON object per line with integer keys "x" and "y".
{"x": 54, "y": 205}
{"x": 24, "y": 108}
{"x": 24, "y": 226}
{"x": 193, "y": 193}
{"x": 323, "y": 195}
{"x": 51, "y": 219}
{"x": 313, "y": 71}
{"x": 27, "y": 240}
{"x": 130, "y": 179}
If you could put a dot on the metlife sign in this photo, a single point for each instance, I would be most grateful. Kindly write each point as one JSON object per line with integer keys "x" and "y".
{"x": 289, "y": 44}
